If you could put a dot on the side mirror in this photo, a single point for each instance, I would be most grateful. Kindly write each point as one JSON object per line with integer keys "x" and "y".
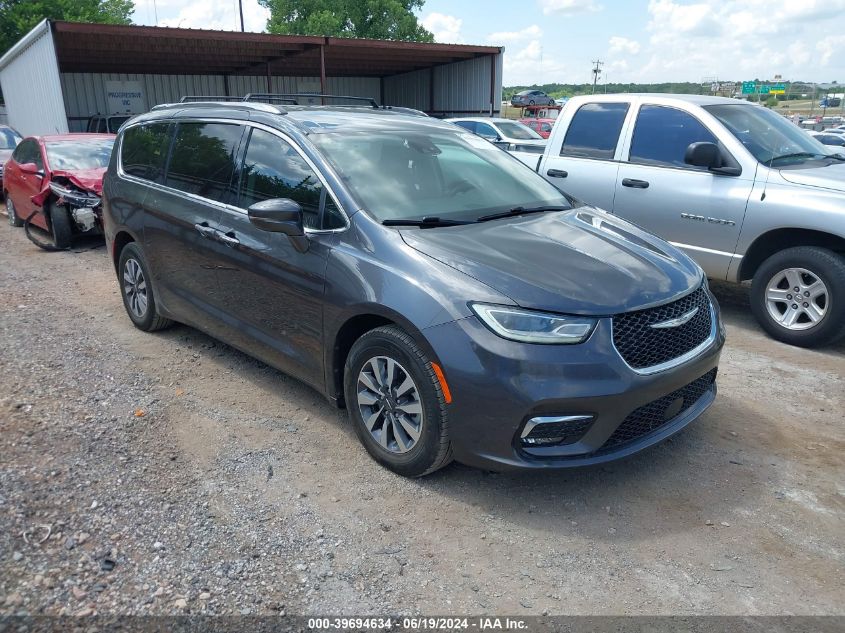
{"x": 703, "y": 155}
{"x": 31, "y": 168}
{"x": 709, "y": 155}
{"x": 280, "y": 215}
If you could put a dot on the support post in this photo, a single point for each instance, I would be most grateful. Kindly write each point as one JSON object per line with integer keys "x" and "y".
{"x": 322, "y": 72}
{"x": 492, "y": 83}
{"x": 269, "y": 83}
{"x": 430, "y": 90}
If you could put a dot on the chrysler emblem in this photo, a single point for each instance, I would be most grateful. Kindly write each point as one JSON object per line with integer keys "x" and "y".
{"x": 684, "y": 318}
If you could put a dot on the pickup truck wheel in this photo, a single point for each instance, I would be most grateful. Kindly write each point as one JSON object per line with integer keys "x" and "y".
{"x": 14, "y": 220}
{"x": 396, "y": 403}
{"x": 798, "y": 296}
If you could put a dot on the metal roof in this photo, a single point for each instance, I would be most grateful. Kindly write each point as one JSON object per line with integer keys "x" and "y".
{"x": 108, "y": 48}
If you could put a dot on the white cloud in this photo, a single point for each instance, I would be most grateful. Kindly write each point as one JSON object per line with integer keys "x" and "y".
{"x": 623, "y": 46}
{"x": 528, "y": 33}
{"x": 568, "y": 7}
{"x": 201, "y": 14}
{"x": 739, "y": 39}
{"x": 445, "y": 28}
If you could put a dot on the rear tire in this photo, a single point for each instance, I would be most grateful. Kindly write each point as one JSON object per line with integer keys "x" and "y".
{"x": 408, "y": 428}
{"x": 14, "y": 220}
{"x": 137, "y": 291}
{"x": 812, "y": 316}
{"x": 60, "y": 226}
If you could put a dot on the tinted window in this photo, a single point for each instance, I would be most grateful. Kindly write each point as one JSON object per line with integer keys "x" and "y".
{"x": 203, "y": 159}
{"x": 82, "y": 154}
{"x": 8, "y": 138}
{"x": 467, "y": 125}
{"x": 662, "y": 135}
{"x": 274, "y": 169}
{"x": 143, "y": 152}
{"x": 28, "y": 152}
{"x": 594, "y": 130}
{"x": 487, "y": 131}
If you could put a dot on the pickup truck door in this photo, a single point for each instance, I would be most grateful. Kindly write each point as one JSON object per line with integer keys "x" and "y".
{"x": 699, "y": 211}
{"x": 585, "y": 164}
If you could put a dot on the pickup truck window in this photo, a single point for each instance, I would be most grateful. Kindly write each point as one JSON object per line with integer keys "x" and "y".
{"x": 662, "y": 135}
{"x": 594, "y": 130}
{"x": 769, "y": 136}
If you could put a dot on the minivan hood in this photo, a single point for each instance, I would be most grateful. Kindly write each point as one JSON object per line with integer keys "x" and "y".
{"x": 580, "y": 261}
{"x": 830, "y": 177}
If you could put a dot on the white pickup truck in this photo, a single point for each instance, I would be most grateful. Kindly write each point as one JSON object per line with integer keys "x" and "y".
{"x": 741, "y": 190}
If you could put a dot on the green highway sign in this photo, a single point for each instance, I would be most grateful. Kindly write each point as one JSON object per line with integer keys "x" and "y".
{"x": 751, "y": 87}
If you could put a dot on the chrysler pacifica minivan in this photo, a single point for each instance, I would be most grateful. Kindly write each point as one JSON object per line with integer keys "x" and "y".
{"x": 458, "y": 305}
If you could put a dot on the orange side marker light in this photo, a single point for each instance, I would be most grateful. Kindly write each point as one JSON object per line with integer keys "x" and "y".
{"x": 442, "y": 380}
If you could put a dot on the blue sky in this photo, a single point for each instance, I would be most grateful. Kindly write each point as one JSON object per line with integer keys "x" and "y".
{"x": 638, "y": 40}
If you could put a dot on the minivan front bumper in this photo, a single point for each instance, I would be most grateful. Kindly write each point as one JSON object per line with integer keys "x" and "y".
{"x": 498, "y": 386}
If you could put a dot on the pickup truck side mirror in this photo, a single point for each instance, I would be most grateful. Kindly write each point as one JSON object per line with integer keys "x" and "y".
{"x": 280, "y": 215}
{"x": 709, "y": 155}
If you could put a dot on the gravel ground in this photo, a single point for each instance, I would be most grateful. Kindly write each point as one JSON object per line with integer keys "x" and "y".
{"x": 168, "y": 473}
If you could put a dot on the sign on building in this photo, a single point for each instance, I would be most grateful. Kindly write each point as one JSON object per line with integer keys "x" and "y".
{"x": 125, "y": 96}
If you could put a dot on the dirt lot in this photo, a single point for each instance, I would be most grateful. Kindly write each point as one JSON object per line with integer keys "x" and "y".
{"x": 175, "y": 474}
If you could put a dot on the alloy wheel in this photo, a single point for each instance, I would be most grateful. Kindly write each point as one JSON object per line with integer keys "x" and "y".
{"x": 797, "y": 299}
{"x": 390, "y": 405}
{"x": 10, "y": 210}
{"x": 135, "y": 288}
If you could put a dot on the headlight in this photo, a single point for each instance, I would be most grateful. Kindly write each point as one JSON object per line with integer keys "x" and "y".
{"x": 75, "y": 198}
{"x": 529, "y": 326}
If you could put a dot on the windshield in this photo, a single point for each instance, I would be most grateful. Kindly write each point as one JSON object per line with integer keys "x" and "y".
{"x": 768, "y": 136}
{"x": 517, "y": 130}
{"x": 452, "y": 175}
{"x": 79, "y": 155}
{"x": 8, "y": 138}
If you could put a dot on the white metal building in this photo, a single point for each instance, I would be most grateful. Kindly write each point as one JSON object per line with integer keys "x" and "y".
{"x": 62, "y": 73}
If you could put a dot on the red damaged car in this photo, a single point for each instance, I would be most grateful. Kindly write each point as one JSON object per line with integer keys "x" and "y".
{"x": 57, "y": 182}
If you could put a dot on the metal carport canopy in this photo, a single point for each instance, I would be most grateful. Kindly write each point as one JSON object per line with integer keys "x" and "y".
{"x": 108, "y": 48}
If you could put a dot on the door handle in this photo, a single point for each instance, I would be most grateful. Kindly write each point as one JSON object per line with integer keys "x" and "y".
{"x": 636, "y": 184}
{"x": 557, "y": 173}
{"x": 205, "y": 230}
{"x": 228, "y": 239}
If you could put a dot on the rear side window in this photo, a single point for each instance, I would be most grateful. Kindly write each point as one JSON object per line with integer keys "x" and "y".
{"x": 467, "y": 125}
{"x": 202, "y": 160}
{"x": 274, "y": 169}
{"x": 662, "y": 135}
{"x": 143, "y": 152}
{"x": 594, "y": 130}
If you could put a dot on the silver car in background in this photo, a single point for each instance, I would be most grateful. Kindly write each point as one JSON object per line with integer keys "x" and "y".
{"x": 512, "y": 136}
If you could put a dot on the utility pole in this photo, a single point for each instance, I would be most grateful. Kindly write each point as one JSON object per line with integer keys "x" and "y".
{"x": 241, "y": 9}
{"x": 596, "y": 72}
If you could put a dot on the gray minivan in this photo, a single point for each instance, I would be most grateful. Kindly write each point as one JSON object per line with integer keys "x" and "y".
{"x": 455, "y": 302}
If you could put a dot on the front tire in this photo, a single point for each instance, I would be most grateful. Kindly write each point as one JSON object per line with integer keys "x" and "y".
{"x": 798, "y": 296}
{"x": 396, "y": 403}
{"x": 137, "y": 292}
{"x": 60, "y": 226}
{"x": 14, "y": 220}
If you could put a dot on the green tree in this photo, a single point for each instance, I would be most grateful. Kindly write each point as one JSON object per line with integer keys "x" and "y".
{"x": 376, "y": 19}
{"x": 17, "y": 17}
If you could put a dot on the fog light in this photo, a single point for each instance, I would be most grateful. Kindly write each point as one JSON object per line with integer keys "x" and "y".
{"x": 555, "y": 430}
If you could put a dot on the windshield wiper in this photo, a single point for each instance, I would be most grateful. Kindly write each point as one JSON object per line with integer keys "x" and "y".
{"x": 427, "y": 221}
{"x": 797, "y": 155}
{"x": 519, "y": 211}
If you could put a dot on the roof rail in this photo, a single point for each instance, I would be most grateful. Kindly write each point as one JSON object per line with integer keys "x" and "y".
{"x": 195, "y": 98}
{"x": 294, "y": 97}
{"x": 237, "y": 103}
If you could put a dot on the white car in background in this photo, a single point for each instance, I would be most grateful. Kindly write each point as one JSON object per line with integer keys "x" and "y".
{"x": 512, "y": 136}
